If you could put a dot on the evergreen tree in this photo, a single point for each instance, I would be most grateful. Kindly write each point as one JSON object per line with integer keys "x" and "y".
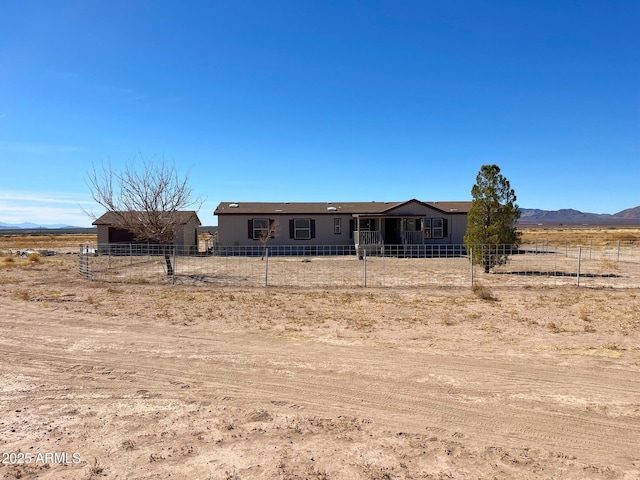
{"x": 491, "y": 229}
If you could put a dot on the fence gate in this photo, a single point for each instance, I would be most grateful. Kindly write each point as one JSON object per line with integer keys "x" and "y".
{"x": 84, "y": 265}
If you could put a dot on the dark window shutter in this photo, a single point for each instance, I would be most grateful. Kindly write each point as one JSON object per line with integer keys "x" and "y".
{"x": 352, "y": 227}
{"x": 445, "y": 228}
{"x": 313, "y": 228}
{"x": 272, "y": 234}
{"x": 250, "y": 228}
{"x": 291, "y": 228}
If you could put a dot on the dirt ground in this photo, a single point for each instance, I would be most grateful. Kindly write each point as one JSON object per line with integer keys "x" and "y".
{"x": 152, "y": 381}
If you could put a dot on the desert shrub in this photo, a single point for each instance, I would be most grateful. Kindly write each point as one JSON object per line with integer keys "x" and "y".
{"x": 584, "y": 313}
{"x": 21, "y": 295}
{"x": 96, "y": 468}
{"x": 128, "y": 445}
{"x": 34, "y": 257}
{"x": 553, "y": 327}
{"x": 483, "y": 292}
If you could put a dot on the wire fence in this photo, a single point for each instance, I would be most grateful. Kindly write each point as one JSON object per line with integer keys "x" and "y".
{"x": 381, "y": 266}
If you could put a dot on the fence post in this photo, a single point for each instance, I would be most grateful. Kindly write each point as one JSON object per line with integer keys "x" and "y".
{"x": 266, "y": 266}
{"x": 173, "y": 276}
{"x": 579, "y": 258}
{"x": 364, "y": 263}
{"x": 471, "y": 263}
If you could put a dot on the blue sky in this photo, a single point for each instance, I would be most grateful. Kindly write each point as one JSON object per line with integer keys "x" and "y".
{"x": 321, "y": 100}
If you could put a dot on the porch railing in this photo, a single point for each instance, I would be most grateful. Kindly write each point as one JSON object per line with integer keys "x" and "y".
{"x": 368, "y": 237}
{"x": 412, "y": 238}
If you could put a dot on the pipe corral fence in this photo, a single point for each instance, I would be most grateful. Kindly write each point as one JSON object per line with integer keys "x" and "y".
{"x": 373, "y": 266}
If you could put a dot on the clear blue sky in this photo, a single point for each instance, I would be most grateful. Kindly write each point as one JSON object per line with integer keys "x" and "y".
{"x": 321, "y": 100}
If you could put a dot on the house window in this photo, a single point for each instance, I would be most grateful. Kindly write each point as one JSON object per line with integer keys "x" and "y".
{"x": 302, "y": 228}
{"x": 411, "y": 224}
{"x": 260, "y": 228}
{"x": 337, "y": 226}
{"x": 427, "y": 228}
{"x": 437, "y": 228}
{"x": 368, "y": 224}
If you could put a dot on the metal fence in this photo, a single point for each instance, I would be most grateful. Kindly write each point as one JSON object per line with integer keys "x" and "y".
{"x": 384, "y": 266}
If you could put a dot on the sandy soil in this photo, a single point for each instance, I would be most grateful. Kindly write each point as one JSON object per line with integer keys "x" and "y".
{"x": 201, "y": 382}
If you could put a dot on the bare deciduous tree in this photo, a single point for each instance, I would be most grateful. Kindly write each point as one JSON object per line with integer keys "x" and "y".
{"x": 268, "y": 233}
{"x": 146, "y": 202}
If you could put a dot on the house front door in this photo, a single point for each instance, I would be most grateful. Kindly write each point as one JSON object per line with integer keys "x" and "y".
{"x": 392, "y": 231}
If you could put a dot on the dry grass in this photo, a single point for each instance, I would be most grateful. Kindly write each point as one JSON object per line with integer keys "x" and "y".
{"x": 350, "y": 338}
{"x": 21, "y": 295}
{"x": 553, "y": 327}
{"x": 482, "y": 292}
{"x": 95, "y": 469}
{"x": 46, "y": 241}
{"x": 128, "y": 445}
{"x": 580, "y": 236}
{"x": 11, "y": 263}
{"x": 608, "y": 265}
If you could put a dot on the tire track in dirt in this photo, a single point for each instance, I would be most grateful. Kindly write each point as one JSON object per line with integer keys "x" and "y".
{"x": 391, "y": 402}
{"x": 363, "y": 381}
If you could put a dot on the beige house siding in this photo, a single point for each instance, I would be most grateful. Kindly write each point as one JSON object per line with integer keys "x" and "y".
{"x": 234, "y": 230}
{"x": 457, "y": 228}
{"x": 390, "y": 220}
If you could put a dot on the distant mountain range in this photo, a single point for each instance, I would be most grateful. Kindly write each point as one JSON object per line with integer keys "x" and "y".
{"x": 568, "y": 216}
{"x": 31, "y": 226}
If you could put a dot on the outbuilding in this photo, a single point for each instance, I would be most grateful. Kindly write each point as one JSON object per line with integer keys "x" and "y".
{"x": 184, "y": 223}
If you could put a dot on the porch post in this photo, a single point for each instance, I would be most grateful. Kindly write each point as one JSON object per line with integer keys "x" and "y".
{"x": 356, "y": 235}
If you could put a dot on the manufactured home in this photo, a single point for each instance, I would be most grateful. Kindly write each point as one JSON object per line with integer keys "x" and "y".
{"x": 370, "y": 225}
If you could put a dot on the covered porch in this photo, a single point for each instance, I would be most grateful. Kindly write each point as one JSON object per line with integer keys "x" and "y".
{"x": 374, "y": 232}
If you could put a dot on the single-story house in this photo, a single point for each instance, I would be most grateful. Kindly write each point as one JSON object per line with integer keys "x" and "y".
{"x": 412, "y": 222}
{"x": 186, "y": 225}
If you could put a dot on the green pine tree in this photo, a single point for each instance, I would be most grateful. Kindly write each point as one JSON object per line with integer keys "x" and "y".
{"x": 491, "y": 229}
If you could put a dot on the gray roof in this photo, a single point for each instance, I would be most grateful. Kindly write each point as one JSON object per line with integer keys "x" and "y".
{"x": 330, "y": 208}
{"x": 181, "y": 217}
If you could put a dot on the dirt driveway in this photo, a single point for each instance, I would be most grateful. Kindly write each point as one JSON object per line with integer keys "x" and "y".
{"x": 158, "y": 381}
